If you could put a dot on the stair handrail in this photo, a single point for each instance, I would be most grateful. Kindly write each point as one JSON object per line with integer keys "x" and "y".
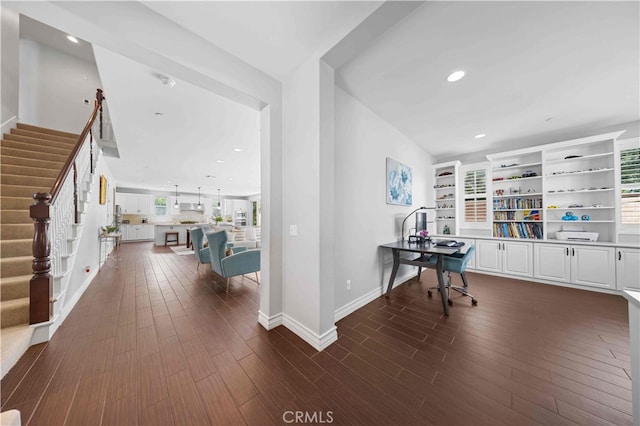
{"x": 41, "y": 297}
{"x": 66, "y": 169}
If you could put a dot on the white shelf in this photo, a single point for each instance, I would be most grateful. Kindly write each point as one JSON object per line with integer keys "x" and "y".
{"x": 444, "y": 187}
{"x": 518, "y": 210}
{"x": 581, "y": 221}
{"x": 525, "y": 195}
{"x": 526, "y": 221}
{"x": 515, "y": 180}
{"x": 579, "y": 172}
{"x": 518, "y": 166}
{"x": 584, "y": 157}
{"x": 445, "y": 208}
{"x": 565, "y": 192}
{"x": 451, "y": 219}
{"x": 581, "y": 208}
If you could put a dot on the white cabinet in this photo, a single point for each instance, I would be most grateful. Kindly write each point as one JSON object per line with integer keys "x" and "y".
{"x": 585, "y": 265}
{"x": 508, "y": 257}
{"x": 139, "y": 232}
{"x": 467, "y": 244}
{"x": 135, "y": 203}
{"x": 627, "y": 268}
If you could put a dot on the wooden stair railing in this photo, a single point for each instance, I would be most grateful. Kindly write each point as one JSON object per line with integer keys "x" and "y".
{"x": 41, "y": 285}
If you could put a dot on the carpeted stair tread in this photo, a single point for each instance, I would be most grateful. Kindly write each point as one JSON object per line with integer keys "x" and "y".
{"x": 31, "y": 162}
{"x": 22, "y": 190}
{"x": 12, "y": 169}
{"x": 15, "y": 266}
{"x": 16, "y": 231}
{"x": 42, "y": 142}
{"x": 14, "y": 312}
{"x": 47, "y": 131}
{"x": 14, "y": 248}
{"x": 14, "y": 287}
{"x": 34, "y": 147}
{"x": 15, "y": 342}
{"x": 49, "y": 136}
{"x": 35, "y": 155}
{"x": 7, "y": 179}
{"x": 15, "y": 203}
{"x": 15, "y": 216}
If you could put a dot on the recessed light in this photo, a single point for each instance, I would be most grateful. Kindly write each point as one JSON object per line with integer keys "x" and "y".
{"x": 455, "y": 76}
{"x": 481, "y": 135}
{"x": 219, "y": 161}
{"x": 230, "y": 178}
{"x": 549, "y": 119}
{"x": 237, "y": 149}
{"x": 72, "y": 39}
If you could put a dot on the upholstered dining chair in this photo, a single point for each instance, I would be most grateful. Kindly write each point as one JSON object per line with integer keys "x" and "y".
{"x": 455, "y": 263}
{"x": 237, "y": 263}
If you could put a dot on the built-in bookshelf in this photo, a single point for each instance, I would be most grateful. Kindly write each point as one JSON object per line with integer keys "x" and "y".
{"x": 446, "y": 195}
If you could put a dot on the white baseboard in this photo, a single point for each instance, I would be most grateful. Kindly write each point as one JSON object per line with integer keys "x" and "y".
{"x": 66, "y": 309}
{"x": 319, "y": 342}
{"x": 269, "y": 323}
{"x": 8, "y": 125}
{"x": 369, "y": 297}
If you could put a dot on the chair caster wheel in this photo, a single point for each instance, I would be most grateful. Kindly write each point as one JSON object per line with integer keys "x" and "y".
{"x": 450, "y": 302}
{"x": 474, "y": 302}
{"x": 429, "y": 293}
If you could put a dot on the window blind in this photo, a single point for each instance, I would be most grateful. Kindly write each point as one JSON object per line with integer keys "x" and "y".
{"x": 475, "y": 196}
{"x": 630, "y": 186}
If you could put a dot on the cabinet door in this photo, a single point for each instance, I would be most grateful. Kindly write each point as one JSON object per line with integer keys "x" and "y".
{"x": 468, "y": 243}
{"x": 128, "y": 202}
{"x": 144, "y": 204}
{"x": 517, "y": 258}
{"x": 488, "y": 255}
{"x": 627, "y": 268}
{"x": 552, "y": 262}
{"x": 593, "y": 266}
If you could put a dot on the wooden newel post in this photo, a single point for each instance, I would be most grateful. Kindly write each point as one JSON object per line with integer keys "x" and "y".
{"x": 41, "y": 284}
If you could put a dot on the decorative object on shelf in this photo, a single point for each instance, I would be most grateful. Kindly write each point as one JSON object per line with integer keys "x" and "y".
{"x": 585, "y": 217}
{"x": 569, "y": 216}
{"x": 446, "y": 230}
{"x": 103, "y": 190}
{"x": 176, "y": 205}
{"x": 529, "y": 173}
{"x": 399, "y": 183}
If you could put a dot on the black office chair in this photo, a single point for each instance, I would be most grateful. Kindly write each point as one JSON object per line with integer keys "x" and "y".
{"x": 455, "y": 263}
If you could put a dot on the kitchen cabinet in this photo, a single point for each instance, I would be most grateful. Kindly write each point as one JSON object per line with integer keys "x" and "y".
{"x": 627, "y": 268}
{"x": 584, "y": 265}
{"x": 135, "y": 203}
{"x": 467, "y": 244}
{"x": 140, "y": 232}
{"x": 507, "y": 257}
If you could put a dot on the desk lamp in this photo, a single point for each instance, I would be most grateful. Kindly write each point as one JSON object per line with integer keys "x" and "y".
{"x": 425, "y": 219}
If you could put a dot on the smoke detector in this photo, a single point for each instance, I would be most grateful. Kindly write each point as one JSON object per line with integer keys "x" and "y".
{"x": 165, "y": 80}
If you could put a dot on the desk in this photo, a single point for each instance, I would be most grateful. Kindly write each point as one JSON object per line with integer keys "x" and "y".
{"x": 425, "y": 251}
{"x": 117, "y": 238}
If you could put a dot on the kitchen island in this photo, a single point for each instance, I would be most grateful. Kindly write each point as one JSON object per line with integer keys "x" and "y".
{"x": 180, "y": 228}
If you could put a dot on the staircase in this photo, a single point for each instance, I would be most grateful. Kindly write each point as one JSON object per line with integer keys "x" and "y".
{"x": 32, "y": 157}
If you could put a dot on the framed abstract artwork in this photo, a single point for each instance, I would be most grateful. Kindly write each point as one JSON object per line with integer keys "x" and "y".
{"x": 399, "y": 183}
{"x": 103, "y": 189}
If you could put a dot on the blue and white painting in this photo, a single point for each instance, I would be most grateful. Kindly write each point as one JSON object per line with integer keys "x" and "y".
{"x": 399, "y": 182}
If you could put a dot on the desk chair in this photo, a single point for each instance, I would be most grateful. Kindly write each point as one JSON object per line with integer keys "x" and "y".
{"x": 455, "y": 263}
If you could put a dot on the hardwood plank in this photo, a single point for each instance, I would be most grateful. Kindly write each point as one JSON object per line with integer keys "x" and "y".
{"x": 220, "y": 406}
{"x": 185, "y": 402}
{"x": 256, "y": 412}
{"x": 240, "y": 386}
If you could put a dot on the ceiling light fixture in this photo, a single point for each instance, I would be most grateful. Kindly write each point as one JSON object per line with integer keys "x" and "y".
{"x": 220, "y": 161}
{"x": 481, "y": 135}
{"x": 176, "y": 205}
{"x": 218, "y": 197}
{"x": 199, "y": 205}
{"x": 165, "y": 80}
{"x": 237, "y": 149}
{"x": 455, "y": 76}
{"x": 72, "y": 39}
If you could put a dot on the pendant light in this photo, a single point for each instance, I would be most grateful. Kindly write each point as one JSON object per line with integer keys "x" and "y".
{"x": 218, "y": 197}
{"x": 199, "y": 205}
{"x": 176, "y": 205}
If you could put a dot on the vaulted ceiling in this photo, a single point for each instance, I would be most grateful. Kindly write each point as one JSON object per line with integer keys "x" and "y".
{"x": 536, "y": 72}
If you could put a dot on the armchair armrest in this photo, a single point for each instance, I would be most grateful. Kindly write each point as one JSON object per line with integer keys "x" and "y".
{"x": 241, "y": 263}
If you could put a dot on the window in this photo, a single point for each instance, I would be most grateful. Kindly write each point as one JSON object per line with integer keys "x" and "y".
{"x": 630, "y": 187}
{"x": 160, "y": 205}
{"x": 475, "y": 195}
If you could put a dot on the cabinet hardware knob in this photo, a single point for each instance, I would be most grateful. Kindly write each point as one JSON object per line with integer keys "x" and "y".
{"x": 619, "y": 255}
{"x": 567, "y": 251}
{"x": 573, "y": 252}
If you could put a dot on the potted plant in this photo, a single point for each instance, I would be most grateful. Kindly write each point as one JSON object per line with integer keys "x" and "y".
{"x": 106, "y": 230}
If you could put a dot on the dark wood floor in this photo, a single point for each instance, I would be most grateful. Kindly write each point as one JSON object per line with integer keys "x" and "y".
{"x": 155, "y": 343}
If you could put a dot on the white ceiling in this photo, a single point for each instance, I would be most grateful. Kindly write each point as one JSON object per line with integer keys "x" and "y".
{"x": 526, "y": 62}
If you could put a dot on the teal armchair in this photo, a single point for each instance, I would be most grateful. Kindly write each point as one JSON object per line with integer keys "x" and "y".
{"x": 238, "y": 263}
{"x": 202, "y": 253}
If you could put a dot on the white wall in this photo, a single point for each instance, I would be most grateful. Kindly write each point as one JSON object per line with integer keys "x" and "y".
{"x": 9, "y": 36}
{"x": 363, "y": 220}
{"x": 53, "y": 86}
